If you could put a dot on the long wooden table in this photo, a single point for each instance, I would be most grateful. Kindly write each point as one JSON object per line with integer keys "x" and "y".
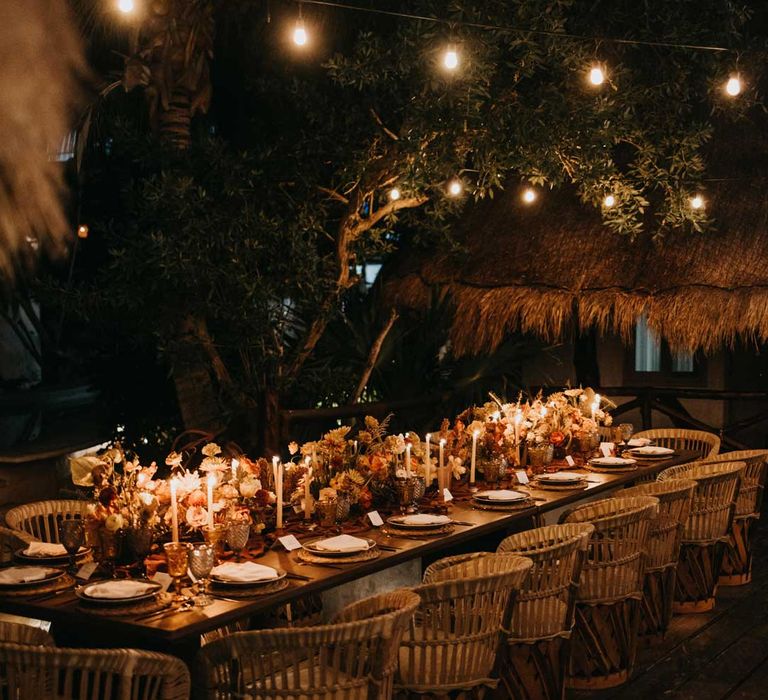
{"x": 179, "y": 632}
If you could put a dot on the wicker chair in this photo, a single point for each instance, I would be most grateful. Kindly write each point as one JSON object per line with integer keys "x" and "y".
{"x": 453, "y": 642}
{"x": 535, "y": 656}
{"x": 91, "y": 674}
{"x": 41, "y": 519}
{"x": 705, "y": 532}
{"x": 663, "y": 551}
{"x": 736, "y": 569}
{"x": 610, "y": 590}
{"x": 14, "y": 633}
{"x": 11, "y": 541}
{"x": 353, "y": 658}
{"x": 703, "y": 443}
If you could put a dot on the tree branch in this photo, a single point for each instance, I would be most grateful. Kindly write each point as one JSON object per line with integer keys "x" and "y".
{"x": 373, "y": 357}
{"x": 333, "y": 194}
{"x": 387, "y": 131}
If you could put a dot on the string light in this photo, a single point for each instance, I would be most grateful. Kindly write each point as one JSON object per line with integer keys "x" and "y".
{"x": 596, "y": 76}
{"x": 82, "y": 231}
{"x": 609, "y": 201}
{"x": 697, "y": 202}
{"x": 300, "y": 37}
{"x": 126, "y": 6}
{"x": 455, "y": 188}
{"x": 394, "y": 194}
{"x": 451, "y": 59}
{"x": 529, "y": 195}
{"x": 733, "y": 86}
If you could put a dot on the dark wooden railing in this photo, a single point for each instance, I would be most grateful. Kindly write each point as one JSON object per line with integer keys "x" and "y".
{"x": 425, "y": 412}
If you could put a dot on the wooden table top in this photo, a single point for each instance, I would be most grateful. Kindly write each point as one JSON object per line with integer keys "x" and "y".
{"x": 178, "y": 627}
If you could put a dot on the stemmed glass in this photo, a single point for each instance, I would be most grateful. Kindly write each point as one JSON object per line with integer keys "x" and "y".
{"x": 177, "y": 554}
{"x": 72, "y": 536}
{"x": 140, "y": 542}
{"x": 237, "y": 537}
{"x": 404, "y": 490}
{"x": 201, "y": 558}
{"x": 626, "y": 431}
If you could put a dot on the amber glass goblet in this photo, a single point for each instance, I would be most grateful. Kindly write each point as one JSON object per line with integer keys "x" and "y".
{"x": 72, "y": 536}
{"x": 177, "y": 555}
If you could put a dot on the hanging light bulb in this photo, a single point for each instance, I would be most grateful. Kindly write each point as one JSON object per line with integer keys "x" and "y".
{"x": 300, "y": 37}
{"x": 394, "y": 194}
{"x": 733, "y": 86}
{"x": 82, "y": 231}
{"x": 697, "y": 202}
{"x": 596, "y": 76}
{"x": 609, "y": 201}
{"x": 529, "y": 195}
{"x": 455, "y": 188}
{"x": 126, "y": 6}
{"x": 451, "y": 58}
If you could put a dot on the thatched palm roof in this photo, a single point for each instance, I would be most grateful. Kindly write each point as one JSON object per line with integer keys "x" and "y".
{"x": 40, "y": 64}
{"x": 551, "y": 266}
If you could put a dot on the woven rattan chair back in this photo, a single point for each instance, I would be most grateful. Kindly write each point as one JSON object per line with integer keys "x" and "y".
{"x": 15, "y": 633}
{"x": 351, "y": 659}
{"x": 544, "y": 605}
{"x": 714, "y": 498}
{"x": 453, "y": 641}
{"x": 91, "y": 674}
{"x": 41, "y": 519}
{"x": 701, "y": 442}
{"x": 663, "y": 547}
{"x": 750, "y": 498}
{"x": 615, "y": 561}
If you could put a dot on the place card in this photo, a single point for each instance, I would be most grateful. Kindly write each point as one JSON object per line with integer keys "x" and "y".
{"x": 163, "y": 579}
{"x": 375, "y": 518}
{"x": 86, "y": 570}
{"x": 192, "y": 577}
{"x": 447, "y": 495}
{"x": 569, "y": 461}
{"x": 522, "y": 477}
{"x": 289, "y": 542}
{"x": 606, "y": 448}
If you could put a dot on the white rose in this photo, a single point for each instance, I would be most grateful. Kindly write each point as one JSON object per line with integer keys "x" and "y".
{"x": 114, "y": 522}
{"x": 249, "y": 487}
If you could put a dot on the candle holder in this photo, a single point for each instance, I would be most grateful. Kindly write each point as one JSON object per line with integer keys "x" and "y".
{"x": 326, "y": 512}
{"x": 177, "y": 556}
{"x": 539, "y": 457}
{"x": 493, "y": 471}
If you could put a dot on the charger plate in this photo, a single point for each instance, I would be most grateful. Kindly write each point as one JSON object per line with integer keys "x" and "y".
{"x": 310, "y": 558}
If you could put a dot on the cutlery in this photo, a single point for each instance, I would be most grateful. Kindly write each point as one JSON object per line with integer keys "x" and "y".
{"x": 327, "y": 566}
{"x": 299, "y": 577}
{"x": 184, "y": 607}
{"x": 48, "y": 596}
{"x": 462, "y": 522}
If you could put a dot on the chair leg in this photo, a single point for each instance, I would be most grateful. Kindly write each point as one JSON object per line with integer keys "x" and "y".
{"x": 697, "y": 574}
{"x": 534, "y": 670}
{"x": 736, "y": 569}
{"x": 658, "y": 595}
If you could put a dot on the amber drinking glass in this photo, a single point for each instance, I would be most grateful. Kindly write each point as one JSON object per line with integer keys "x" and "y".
{"x": 72, "y": 536}
{"x": 177, "y": 555}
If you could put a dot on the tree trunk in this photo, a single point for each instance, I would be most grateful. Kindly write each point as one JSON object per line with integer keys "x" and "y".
{"x": 175, "y": 122}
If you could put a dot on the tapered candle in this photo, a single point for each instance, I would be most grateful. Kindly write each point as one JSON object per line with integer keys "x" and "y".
{"x": 428, "y": 463}
{"x": 234, "y": 465}
{"x": 474, "y": 457}
{"x": 408, "y": 460}
{"x": 174, "y": 511}
{"x": 277, "y": 470}
{"x": 355, "y": 444}
{"x": 307, "y": 494}
{"x": 595, "y": 406}
{"x": 441, "y": 464}
{"x": 211, "y": 483}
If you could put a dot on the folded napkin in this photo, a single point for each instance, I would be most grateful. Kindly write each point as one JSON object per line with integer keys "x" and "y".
{"x": 426, "y": 519}
{"x": 244, "y": 572}
{"x": 619, "y": 461}
{"x": 22, "y": 574}
{"x": 503, "y": 495}
{"x": 639, "y": 442}
{"x": 342, "y": 543}
{"x": 45, "y": 549}
{"x": 118, "y": 589}
{"x": 652, "y": 450}
{"x": 561, "y": 476}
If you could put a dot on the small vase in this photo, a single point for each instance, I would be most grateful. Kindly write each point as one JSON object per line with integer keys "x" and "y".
{"x": 326, "y": 512}
{"x": 539, "y": 457}
{"x": 493, "y": 471}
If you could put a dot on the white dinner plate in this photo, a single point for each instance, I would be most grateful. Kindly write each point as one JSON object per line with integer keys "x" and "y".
{"x": 86, "y": 591}
{"x": 508, "y": 497}
{"x": 312, "y": 548}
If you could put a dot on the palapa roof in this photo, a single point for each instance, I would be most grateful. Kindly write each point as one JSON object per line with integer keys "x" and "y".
{"x": 553, "y": 266}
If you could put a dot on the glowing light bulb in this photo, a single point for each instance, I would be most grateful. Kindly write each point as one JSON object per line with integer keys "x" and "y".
{"x": 609, "y": 201}
{"x": 733, "y": 86}
{"x": 394, "y": 194}
{"x": 529, "y": 195}
{"x": 126, "y": 6}
{"x": 455, "y": 188}
{"x": 300, "y": 37}
{"x": 451, "y": 59}
{"x": 82, "y": 231}
{"x": 697, "y": 202}
{"x": 596, "y": 75}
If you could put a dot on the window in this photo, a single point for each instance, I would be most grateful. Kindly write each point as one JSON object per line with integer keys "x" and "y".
{"x": 652, "y": 361}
